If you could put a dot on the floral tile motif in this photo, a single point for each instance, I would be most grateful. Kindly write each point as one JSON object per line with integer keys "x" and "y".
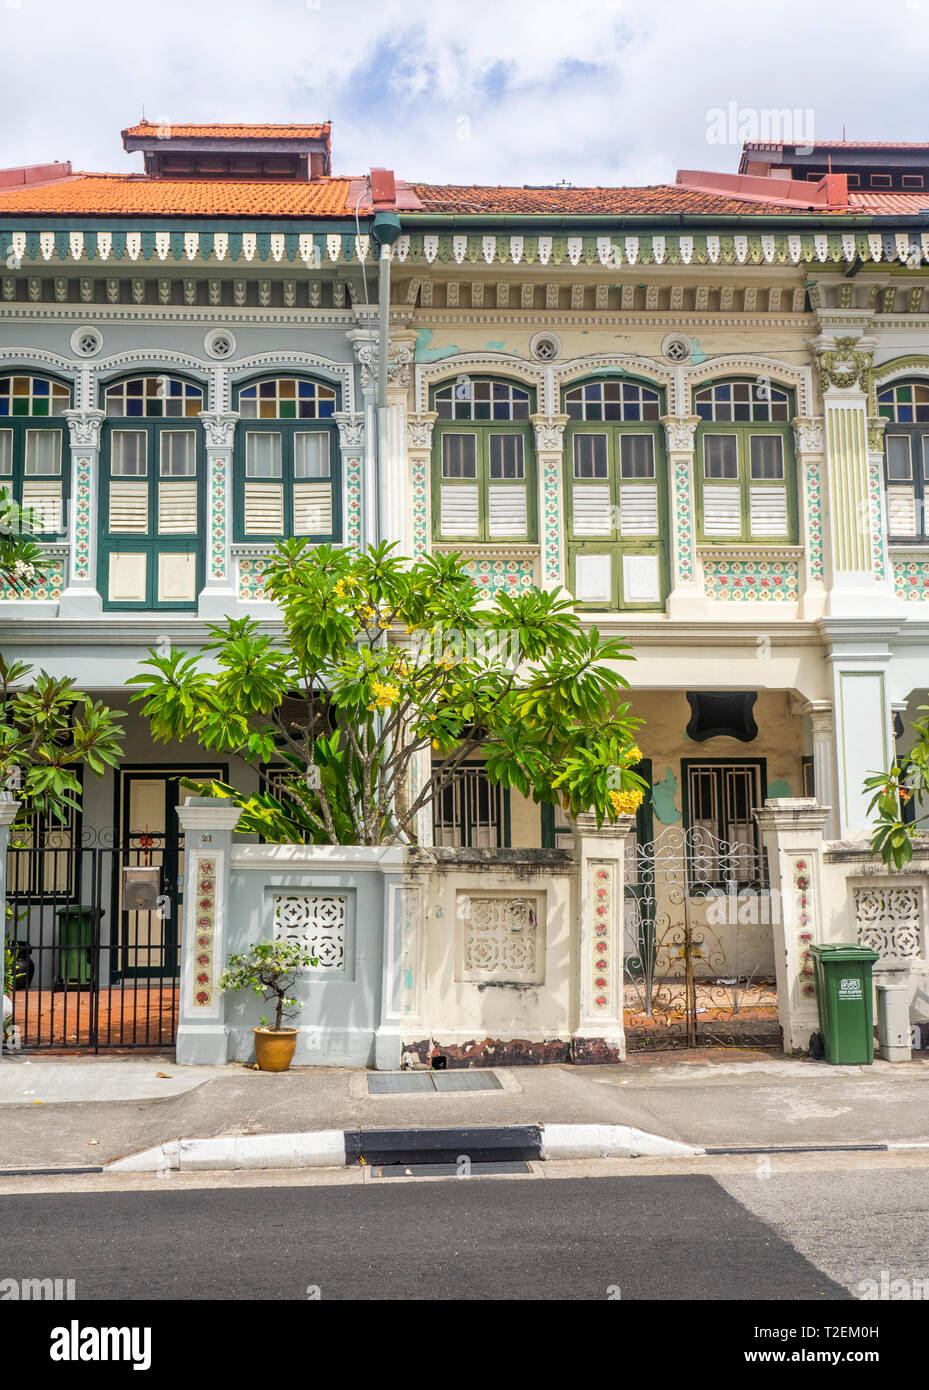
{"x": 205, "y": 926}
{"x": 911, "y": 580}
{"x": 218, "y": 519}
{"x": 494, "y": 575}
{"x": 419, "y": 507}
{"x": 752, "y": 580}
{"x": 353, "y": 502}
{"x": 602, "y": 896}
{"x": 251, "y": 577}
{"x": 801, "y": 877}
{"x": 50, "y": 587}
{"x": 82, "y": 519}
{"x": 876, "y": 505}
{"x": 814, "y": 522}
{"x": 683, "y": 523}
{"x": 551, "y": 561}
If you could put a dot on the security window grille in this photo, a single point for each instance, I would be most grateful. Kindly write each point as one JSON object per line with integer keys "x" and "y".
{"x": 287, "y": 473}
{"x": 906, "y": 459}
{"x": 42, "y": 861}
{"x": 746, "y": 489}
{"x": 615, "y": 487}
{"x": 483, "y": 473}
{"x": 33, "y": 450}
{"x": 152, "y": 498}
{"x": 471, "y": 813}
{"x": 720, "y": 800}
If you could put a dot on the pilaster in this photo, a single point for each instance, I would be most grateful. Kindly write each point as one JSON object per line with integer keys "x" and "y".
{"x": 219, "y": 592}
{"x": 352, "y": 451}
{"x": 599, "y": 1035}
{"x": 687, "y": 598}
{"x": 419, "y": 430}
{"x": 810, "y": 445}
{"x": 402, "y": 979}
{"x": 208, "y": 824}
{"x": 549, "y": 452}
{"x": 81, "y": 598}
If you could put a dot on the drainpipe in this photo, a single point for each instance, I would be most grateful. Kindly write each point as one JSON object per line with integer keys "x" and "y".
{"x": 386, "y": 229}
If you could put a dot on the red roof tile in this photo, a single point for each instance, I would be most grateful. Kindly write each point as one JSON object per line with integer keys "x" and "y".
{"x": 134, "y": 195}
{"x": 837, "y": 145}
{"x": 886, "y": 204}
{"x": 318, "y": 131}
{"x": 651, "y": 201}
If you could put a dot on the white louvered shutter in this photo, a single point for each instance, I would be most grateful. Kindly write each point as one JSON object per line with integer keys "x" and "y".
{"x": 722, "y": 510}
{"x": 177, "y": 508}
{"x": 43, "y": 500}
{"x": 768, "y": 510}
{"x": 264, "y": 509}
{"x": 128, "y": 507}
{"x": 638, "y": 509}
{"x": 312, "y": 509}
{"x": 901, "y": 511}
{"x": 590, "y": 504}
{"x": 506, "y": 509}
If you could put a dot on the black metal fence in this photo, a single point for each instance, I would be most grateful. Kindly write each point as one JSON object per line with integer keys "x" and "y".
{"x": 92, "y": 972}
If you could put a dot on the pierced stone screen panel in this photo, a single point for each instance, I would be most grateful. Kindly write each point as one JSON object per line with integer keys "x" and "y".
{"x": 501, "y": 937}
{"x": 318, "y": 922}
{"x": 890, "y": 920}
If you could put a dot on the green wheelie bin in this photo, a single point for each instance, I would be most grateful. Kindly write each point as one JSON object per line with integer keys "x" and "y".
{"x": 845, "y": 997}
{"x": 75, "y": 944}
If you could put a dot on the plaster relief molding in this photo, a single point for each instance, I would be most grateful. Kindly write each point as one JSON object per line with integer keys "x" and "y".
{"x": 365, "y": 347}
{"x": 876, "y": 426}
{"x": 579, "y": 367}
{"x": 501, "y": 364}
{"x": 680, "y": 432}
{"x": 219, "y": 429}
{"x": 84, "y": 427}
{"x": 844, "y": 365}
{"x": 809, "y": 434}
{"x": 800, "y": 379}
{"x": 549, "y": 433}
{"x": 351, "y": 430}
{"x": 419, "y": 429}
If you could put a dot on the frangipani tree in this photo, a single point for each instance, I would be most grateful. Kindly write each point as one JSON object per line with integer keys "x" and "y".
{"x": 899, "y": 798}
{"x": 379, "y": 659}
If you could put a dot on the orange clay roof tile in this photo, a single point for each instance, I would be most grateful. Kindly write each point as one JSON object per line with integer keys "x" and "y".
{"x": 651, "y": 201}
{"x": 317, "y": 131}
{"x": 134, "y": 195}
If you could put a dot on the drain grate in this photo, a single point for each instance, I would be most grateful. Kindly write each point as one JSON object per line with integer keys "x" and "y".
{"x": 449, "y": 1170}
{"x": 394, "y": 1083}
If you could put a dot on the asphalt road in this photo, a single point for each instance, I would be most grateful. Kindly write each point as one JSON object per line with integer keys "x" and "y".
{"x": 658, "y": 1238}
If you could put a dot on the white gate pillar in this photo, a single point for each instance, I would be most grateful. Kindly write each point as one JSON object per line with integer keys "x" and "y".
{"x": 792, "y": 833}
{"x": 599, "y": 1035}
{"x": 208, "y": 823}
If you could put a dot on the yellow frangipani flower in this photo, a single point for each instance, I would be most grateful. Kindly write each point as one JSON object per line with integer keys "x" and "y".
{"x": 627, "y": 803}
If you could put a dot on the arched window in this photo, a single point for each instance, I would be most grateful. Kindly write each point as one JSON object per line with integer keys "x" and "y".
{"x": 152, "y": 493}
{"x": 905, "y": 407}
{"x": 484, "y": 486}
{"x": 287, "y": 464}
{"x": 616, "y": 494}
{"x": 33, "y": 453}
{"x": 745, "y": 472}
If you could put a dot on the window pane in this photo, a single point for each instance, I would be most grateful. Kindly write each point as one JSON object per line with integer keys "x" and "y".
{"x": 459, "y": 456}
{"x": 178, "y": 454}
{"x": 311, "y": 454}
{"x": 6, "y": 453}
{"x": 925, "y": 441}
{"x": 262, "y": 454}
{"x": 128, "y": 454}
{"x": 506, "y": 456}
{"x": 637, "y": 456}
{"x": 767, "y": 457}
{"x": 899, "y": 465}
{"x": 720, "y": 456}
{"x": 590, "y": 456}
{"x": 43, "y": 453}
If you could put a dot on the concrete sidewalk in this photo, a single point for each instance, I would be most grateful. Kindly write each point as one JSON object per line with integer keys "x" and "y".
{"x": 80, "y": 1111}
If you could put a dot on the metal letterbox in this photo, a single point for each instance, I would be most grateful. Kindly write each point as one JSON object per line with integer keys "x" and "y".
{"x": 141, "y": 888}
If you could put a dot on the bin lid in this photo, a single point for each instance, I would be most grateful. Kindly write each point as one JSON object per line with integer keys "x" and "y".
{"x": 74, "y": 910}
{"x": 844, "y": 950}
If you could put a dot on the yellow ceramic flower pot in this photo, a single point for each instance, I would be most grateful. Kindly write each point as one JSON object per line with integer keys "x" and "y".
{"x": 274, "y": 1049}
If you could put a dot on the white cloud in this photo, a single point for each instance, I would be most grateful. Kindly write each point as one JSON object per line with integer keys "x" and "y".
{"x": 595, "y": 91}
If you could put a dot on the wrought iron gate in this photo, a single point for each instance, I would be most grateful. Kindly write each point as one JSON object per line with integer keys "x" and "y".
{"x": 699, "y": 944}
{"x": 91, "y": 972}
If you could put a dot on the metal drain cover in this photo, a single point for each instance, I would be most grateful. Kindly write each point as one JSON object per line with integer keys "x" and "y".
{"x": 449, "y": 1170}
{"x": 388, "y": 1083}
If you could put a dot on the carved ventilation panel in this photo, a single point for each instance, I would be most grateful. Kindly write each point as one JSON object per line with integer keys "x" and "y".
{"x": 317, "y": 922}
{"x": 890, "y": 920}
{"x": 501, "y": 937}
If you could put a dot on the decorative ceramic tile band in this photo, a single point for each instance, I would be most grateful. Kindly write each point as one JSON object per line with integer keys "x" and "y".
{"x": 551, "y": 564}
{"x": 684, "y": 523}
{"x": 814, "y": 515}
{"x": 420, "y": 530}
{"x": 494, "y": 575}
{"x": 205, "y": 926}
{"x": 911, "y": 579}
{"x": 82, "y": 519}
{"x": 218, "y": 519}
{"x": 49, "y": 587}
{"x": 353, "y": 502}
{"x": 251, "y": 577}
{"x": 602, "y": 900}
{"x": 752, "y": 580}
{"x": 801, "y": 880}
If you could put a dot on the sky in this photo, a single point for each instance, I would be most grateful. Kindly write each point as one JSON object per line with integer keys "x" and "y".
{"x": 492, "y": 91}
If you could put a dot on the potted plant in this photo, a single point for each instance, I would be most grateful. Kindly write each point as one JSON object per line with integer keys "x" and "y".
{"x": 270, "y": 968}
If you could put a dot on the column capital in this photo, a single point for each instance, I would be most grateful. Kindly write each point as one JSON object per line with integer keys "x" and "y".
{"x": 876, "y": 426}
{"x": 419, "y": 429}
{"x": 351, "y": 429}
{"x": 219, "y": 428}
{"x": 786, "y": 813}
{"x": 9, "y": 809}
{"x": 208, "y": 813}
{"x": 586, "y": 824}
{"x": 809, "y": 434}
{"x": 549, "y": 432}
{"x": 844, "y": 364}
{"x": 84, "y": 427}
{"x": 679, "y": 432}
